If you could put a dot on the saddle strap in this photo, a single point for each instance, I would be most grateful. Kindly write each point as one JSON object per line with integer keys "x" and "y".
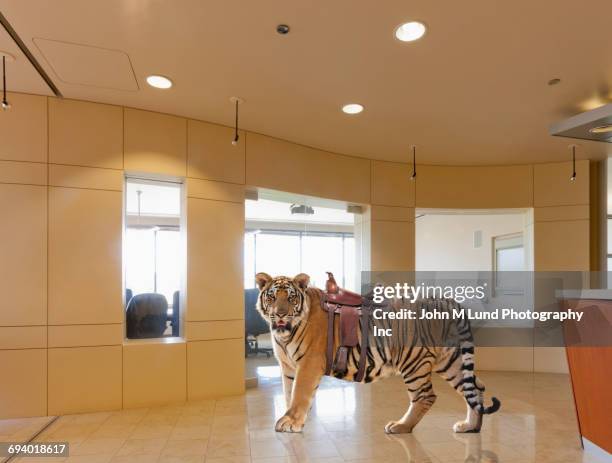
{"x": 365, "y": 320}
{"x": 330, "y": 339}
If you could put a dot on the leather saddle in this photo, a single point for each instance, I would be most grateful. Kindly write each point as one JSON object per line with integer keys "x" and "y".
{"x": 352, "y": 310}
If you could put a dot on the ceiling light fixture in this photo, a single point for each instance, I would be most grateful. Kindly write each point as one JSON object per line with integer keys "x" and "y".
{"x": 5, "y": 104}
{"x": 573, "y": 148}
{"x": 413, "y": 176}
{"x": 283, "y": 29}
{"x": 352, "y": 108}
{"x": 601, "y": 129}
{"x": 159, "y": 82}
{"x": 237, "y": 101}
{"x": 410, "y": 31}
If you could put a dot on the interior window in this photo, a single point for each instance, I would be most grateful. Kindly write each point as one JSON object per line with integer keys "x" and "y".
{"x": 153, "y": 258}
{"x": 290, "y": 252}
{"x": 508, "y": 259}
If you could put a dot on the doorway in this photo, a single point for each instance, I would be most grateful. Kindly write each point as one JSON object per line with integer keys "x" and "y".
{"x": 287, "y": 234}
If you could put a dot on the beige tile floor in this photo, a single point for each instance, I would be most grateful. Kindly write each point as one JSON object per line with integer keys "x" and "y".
{"x": 536, "y": 424}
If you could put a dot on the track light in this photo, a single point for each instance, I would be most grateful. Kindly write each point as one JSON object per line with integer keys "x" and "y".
{"x": 413, "y": 176}
{"x": 5, "y": 104}
{"x": 237, "y": 101}
{"x": 573, "y": 148}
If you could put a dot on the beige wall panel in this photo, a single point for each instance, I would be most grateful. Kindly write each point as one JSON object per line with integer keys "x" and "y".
{"x": 392, "y": 246}
{"x": 25, "y": 173}
{"x": 23, "y": 389}
{"x": 215, "y": 368}
{"x": 154, "y": 374}
{"x": 23, "y": 337}
{"x": 85, "y": 134}
{"x": 552, "y": 185}
{"x": 211, "y": 155}
{"x": 474, "y": 187}
{"x": 23, "y": 129}
{"x": 504, "y": 359}
{"x": 215, "y": 235}
{"x": 85, "y": 256}
{"x": 85, "y": 177}
{"x": 550, "y": 360}
{"x": 561, "y": 245}
{"x": 220, "y": 191}
{"x": 280, "y": 165}
{"x": 556, "y": 213}
{"x": 204, "y": 331}
{"x": 391, "y": 184}
{"x": 84, "y": 379}
{"x": 395, "y": 214}
{"x": 155, "y": 143}
{"x": 85, "y": 335}
{"x": 23, "y": 251}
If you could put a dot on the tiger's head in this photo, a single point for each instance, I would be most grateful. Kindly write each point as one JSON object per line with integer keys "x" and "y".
{"x": 282, "y": 301}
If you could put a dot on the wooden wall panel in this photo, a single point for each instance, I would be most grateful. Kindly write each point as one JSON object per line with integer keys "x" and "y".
{"x": 23, "y": 389}
{"x": 215, "y": 237}
{"x": 280, "y": 165}
{"x": 391, "y": 184}
{"x": 473, "y": 187}
{"x": 225, "y": 358}
{"x": 85, "y": 228}
{"x": 23, "y": 129}
{"x": 154, "y": 373}
{"x": 85, "y": 134}
{"x": 552, "y": 185}
{"x": 84, "y": 379}
{"x": 23, "y": 247}
{"x": 211, "y": 154}
{"x": 155, "y": 143}
{"x": 23, "y": 173}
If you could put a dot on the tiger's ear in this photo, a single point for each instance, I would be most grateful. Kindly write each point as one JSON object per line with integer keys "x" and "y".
{"x": 262, "y": 279}
{"x": 302, "y": 280}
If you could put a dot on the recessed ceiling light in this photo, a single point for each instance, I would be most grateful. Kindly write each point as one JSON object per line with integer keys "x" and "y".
{"x": 410, "y": 31}
{"x": 602, "y": 129}
{"x": 352, "y": 108}
{"x": 159, "y": 82}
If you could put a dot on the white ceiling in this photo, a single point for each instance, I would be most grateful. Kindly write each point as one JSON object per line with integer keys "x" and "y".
{"x": 472, "y": 91}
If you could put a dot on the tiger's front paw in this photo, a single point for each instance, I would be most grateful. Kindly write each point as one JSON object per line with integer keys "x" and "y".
{"x": 289, "y": 424}
{"x": 395, "y": 427}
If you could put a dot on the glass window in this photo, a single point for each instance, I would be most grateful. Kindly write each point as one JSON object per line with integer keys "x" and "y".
{"x": 508, "y": 263}
{"x": 290, "y": 253}
{"x": 153, "y": 258}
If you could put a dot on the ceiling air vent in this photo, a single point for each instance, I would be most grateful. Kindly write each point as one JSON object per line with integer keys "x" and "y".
{"x": 595, "y": 124}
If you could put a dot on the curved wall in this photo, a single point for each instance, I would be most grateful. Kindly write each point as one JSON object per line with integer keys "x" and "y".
{"x": 62, "y": 164}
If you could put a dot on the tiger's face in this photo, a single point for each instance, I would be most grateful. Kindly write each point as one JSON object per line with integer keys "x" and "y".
{"x": 282, "y": 301}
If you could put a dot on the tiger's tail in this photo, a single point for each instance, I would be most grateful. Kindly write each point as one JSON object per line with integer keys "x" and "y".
{"x": 472, "y": 388}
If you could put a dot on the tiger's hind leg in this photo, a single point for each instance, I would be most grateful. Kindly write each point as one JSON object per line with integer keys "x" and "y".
{"x": 451, "y": 369}
{"x": 422, "y": 397}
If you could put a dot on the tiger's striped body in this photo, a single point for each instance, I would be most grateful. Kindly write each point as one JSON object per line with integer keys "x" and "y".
{"x": 415, "y": 350}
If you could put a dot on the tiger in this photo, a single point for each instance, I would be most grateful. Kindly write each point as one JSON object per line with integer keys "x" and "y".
{"x": 298, "y": 324}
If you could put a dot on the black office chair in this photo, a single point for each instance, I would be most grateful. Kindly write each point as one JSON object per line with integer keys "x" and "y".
{"x": 128, "y": 297}
{"x": 254, "y": 325}
{"x": 175, "y": 320}
{"x": 146, "y": 316}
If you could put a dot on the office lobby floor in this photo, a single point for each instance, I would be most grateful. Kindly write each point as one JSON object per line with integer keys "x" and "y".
{"x": 536, "y": 424}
